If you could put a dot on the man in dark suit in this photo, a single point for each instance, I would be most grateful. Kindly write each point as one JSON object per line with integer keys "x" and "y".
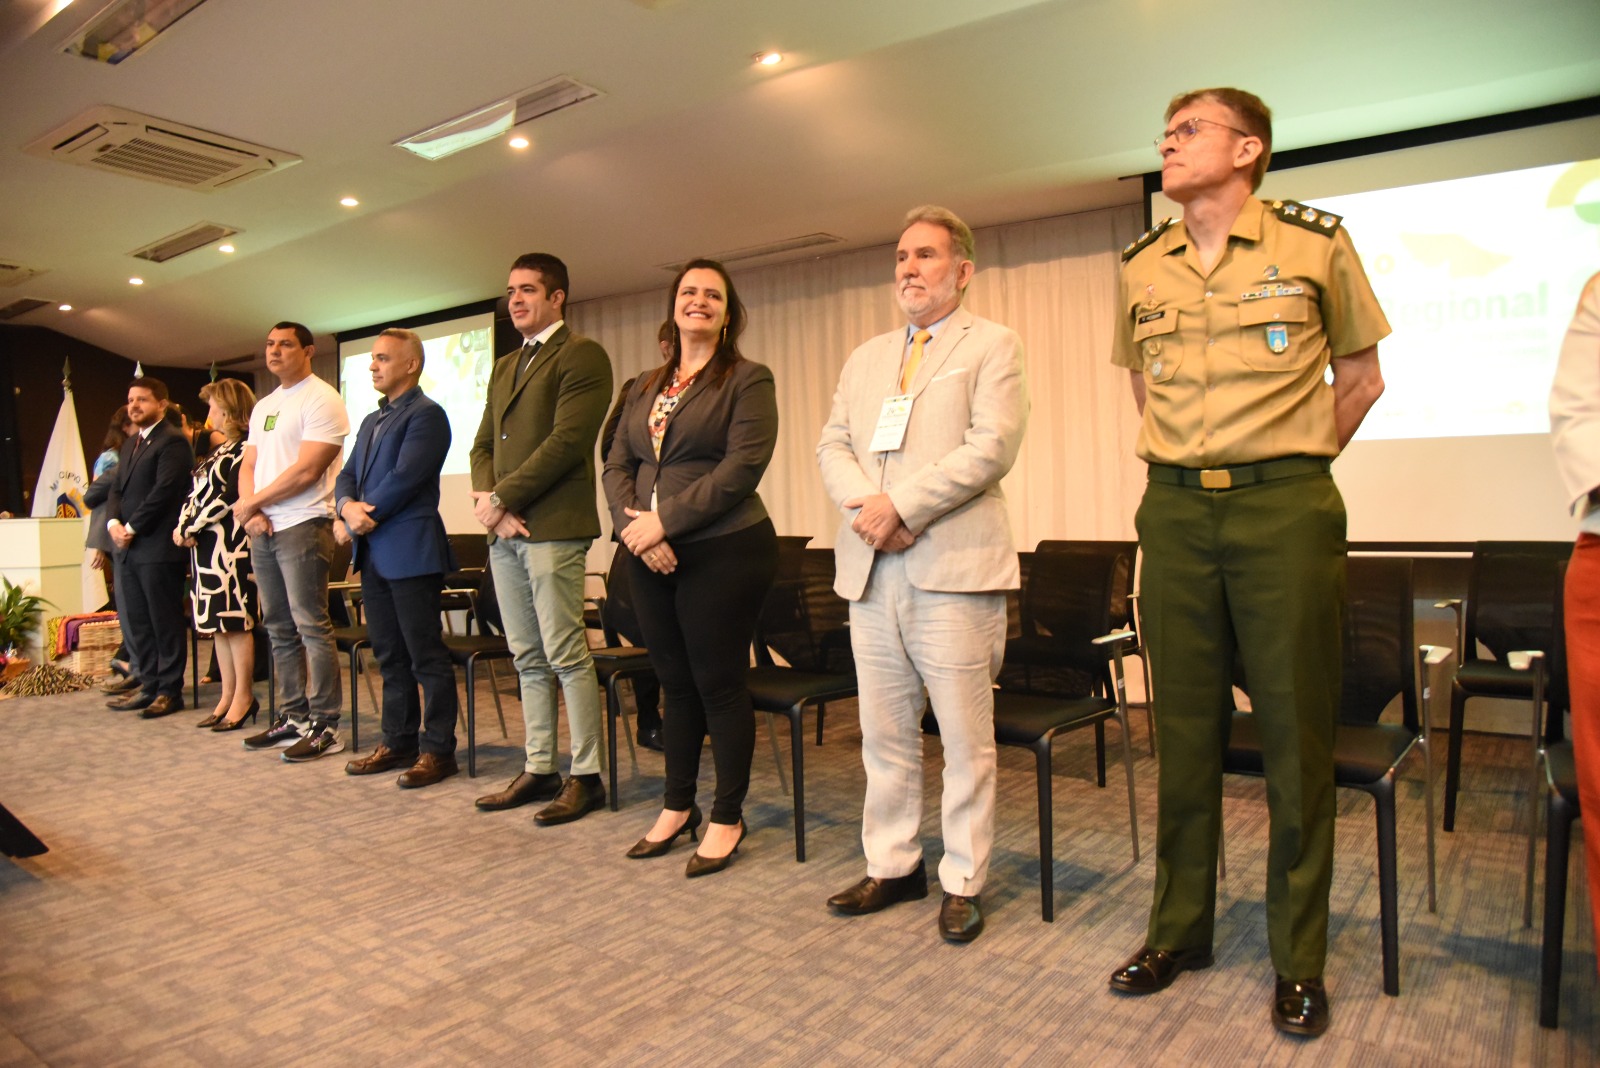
{"x": 151, "y": 484}
{"x": 533, "y": 489}
{"x": 387, "y": 498}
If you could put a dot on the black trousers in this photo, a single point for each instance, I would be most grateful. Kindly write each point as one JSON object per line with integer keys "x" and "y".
{"x": 150, "y": 605}
{"x": 698, "y": 623}
{"x": 403, "y": 624}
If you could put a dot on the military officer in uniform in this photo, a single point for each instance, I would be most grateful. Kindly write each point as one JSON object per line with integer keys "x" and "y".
{"x": 1228, "y": 322}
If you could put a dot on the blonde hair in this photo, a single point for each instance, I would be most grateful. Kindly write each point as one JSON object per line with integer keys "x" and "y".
{"x": 236, "y": 401}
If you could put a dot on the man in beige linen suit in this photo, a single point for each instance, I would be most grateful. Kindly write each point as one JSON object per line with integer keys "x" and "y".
{"x": 925, "y": 423}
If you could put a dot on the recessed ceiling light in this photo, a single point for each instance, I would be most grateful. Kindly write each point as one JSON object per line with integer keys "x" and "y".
{"x": 519, "y": 142}
{"x": 349, "y": 202}
{"x": 64, "y": 307}
{"x": 225, "y": 248}
{"x": 768, "y": 59}
{"x": 136, "y": 281}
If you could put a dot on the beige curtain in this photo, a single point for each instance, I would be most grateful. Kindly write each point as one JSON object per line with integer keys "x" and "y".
{"x": 1051, "y": 280}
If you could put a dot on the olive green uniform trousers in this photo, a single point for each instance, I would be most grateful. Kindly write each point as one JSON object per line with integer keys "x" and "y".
{"x": 1256, "y": 570}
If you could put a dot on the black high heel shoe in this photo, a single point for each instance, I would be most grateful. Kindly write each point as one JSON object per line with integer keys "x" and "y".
{"x": 211, "y": 720}
{"x": 644, "y": 848}
{"x": 233, "y": 725}
{"x": 699, "y": 865}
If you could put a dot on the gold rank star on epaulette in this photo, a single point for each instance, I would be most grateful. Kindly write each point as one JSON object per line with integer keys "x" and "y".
{"x": 1144, "y": 239}
{"x": 1323, "y": 222}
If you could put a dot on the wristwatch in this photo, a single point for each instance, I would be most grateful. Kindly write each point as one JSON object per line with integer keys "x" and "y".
{"x": 494, "y": 499}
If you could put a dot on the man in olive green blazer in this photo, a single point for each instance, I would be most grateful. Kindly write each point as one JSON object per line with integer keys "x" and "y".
{"x": 533, "y": 489}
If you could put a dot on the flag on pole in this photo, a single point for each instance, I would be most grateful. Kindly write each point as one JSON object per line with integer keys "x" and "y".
{"x": 64, "y": 476}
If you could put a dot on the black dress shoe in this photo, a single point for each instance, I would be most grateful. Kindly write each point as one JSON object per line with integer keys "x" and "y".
{"x": 128, "y": 702}
{"x": 650, "y": 738}
{"x": 163, "y": 705}
{"x": 579, "y": 796}
{"x": 525, "y": 788}
{"x": 960, "y": 918}
{"x": 872, "y": 894}
{"x": 1151, "y": 970}
{"x": 380, "y": 760}
{"x": 1300, "y": 1008}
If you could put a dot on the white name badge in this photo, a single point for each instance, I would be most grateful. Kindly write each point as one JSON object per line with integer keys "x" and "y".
{"x": 892, "y": 420}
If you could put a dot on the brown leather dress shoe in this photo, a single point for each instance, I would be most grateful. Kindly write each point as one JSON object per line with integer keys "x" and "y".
{"x": 872, "y": 894}
{"x": 524, "y": 789}
{"x": 1151, "y": 970}
{"x": 119, "y": 684}
{"x": 429, "y": 769}
{"x": 960, "y": 918}
{"x": 130, "y": 701}
{"x": 1300, "y": 1008}
{"x": 163, "y": 705}
{"x": 380, "y": 760}
{"x": 579, "y": 796}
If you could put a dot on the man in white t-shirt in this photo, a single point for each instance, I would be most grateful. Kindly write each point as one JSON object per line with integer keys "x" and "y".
{"x": 286, "y": 506}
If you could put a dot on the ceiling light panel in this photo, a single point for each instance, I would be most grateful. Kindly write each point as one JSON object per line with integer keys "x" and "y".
{"x": 497, "y": 119}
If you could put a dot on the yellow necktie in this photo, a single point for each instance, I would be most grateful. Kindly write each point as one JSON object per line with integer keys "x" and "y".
{"x": 919, "y": 339}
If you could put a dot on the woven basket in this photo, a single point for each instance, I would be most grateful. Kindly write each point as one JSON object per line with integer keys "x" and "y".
{"x": 97, "y": 643}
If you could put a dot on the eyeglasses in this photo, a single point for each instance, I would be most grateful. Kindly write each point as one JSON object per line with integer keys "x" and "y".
{"x": 1184, "y": 132}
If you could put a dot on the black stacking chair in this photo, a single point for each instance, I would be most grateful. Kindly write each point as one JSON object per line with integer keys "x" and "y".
{"x": 1064, "y": 673}
{"x": 1561, "y": 810}
{"x": 469, "y": 650}
{"x": 786, "y": 627}
{"x": 1367, "y": 753}
{"x": 1123, "y": 608}
{"x": 471, "y": 553}
{"x": 1511, "y": 595}
{"x": 616, "y": 663}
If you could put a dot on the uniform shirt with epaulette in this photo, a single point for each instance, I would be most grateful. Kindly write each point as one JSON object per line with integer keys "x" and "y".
{"x": 1234, "y": 362}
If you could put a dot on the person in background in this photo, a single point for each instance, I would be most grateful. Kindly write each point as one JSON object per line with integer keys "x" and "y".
{"x": 926, "y": 421}
{"x": 1250, "y": 334}
{"x": 619, "y": 611}
{"x": 387, "y": 498}
{"x": 1575, "y": 433}
{"x": 692, "y": 443}
{"x": 286, "y": 507}
{"x": 221, "y": 595}
{"x": 147, "y": 491}
{"x": 98, "y": 543}
{"x": 533, "y": 489}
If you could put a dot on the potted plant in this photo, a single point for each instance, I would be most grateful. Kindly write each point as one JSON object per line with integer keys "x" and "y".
{"x": 20, "y": 615}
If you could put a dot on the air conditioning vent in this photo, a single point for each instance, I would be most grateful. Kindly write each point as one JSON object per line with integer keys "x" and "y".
{"x": 174, "y": 245}
{"x": 757, "y": 252}
{"x": 14, "y": 274}
{"x": 550, "y": 97}
{"x": 22, "y": 307}
{"x": 141, "y": 146}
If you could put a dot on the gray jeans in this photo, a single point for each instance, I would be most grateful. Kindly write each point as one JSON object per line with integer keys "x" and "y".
{"x": 291, "y": 569}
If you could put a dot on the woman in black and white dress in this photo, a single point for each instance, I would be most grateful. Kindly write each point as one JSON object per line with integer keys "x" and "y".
{"x": 221, "y": 593}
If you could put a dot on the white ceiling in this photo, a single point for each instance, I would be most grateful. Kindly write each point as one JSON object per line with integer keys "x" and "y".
{"x": 1000, "y": 109}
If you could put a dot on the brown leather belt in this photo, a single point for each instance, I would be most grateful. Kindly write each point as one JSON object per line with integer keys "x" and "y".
{"x": 1232, "y": 477}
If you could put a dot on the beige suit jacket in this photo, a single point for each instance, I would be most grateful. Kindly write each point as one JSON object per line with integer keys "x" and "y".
{"x": 967, "y": 420}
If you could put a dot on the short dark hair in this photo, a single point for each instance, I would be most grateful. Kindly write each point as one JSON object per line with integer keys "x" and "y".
{"x": 301, "y": 334}
{"x": 551, "y": 270}
{"x": 157, "y": 388}
{"x": 1255, "y": 119}
{"x": 114, "y": 435}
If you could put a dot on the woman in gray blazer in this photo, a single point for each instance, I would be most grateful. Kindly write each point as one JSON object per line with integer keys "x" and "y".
{"x": 692, "y": 444}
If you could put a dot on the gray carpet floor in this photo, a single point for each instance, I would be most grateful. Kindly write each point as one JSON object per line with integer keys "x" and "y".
{"x": 203, "y": 905}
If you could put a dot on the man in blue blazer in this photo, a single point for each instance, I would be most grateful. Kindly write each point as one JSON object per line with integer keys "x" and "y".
{"x": 387, "y": 498}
